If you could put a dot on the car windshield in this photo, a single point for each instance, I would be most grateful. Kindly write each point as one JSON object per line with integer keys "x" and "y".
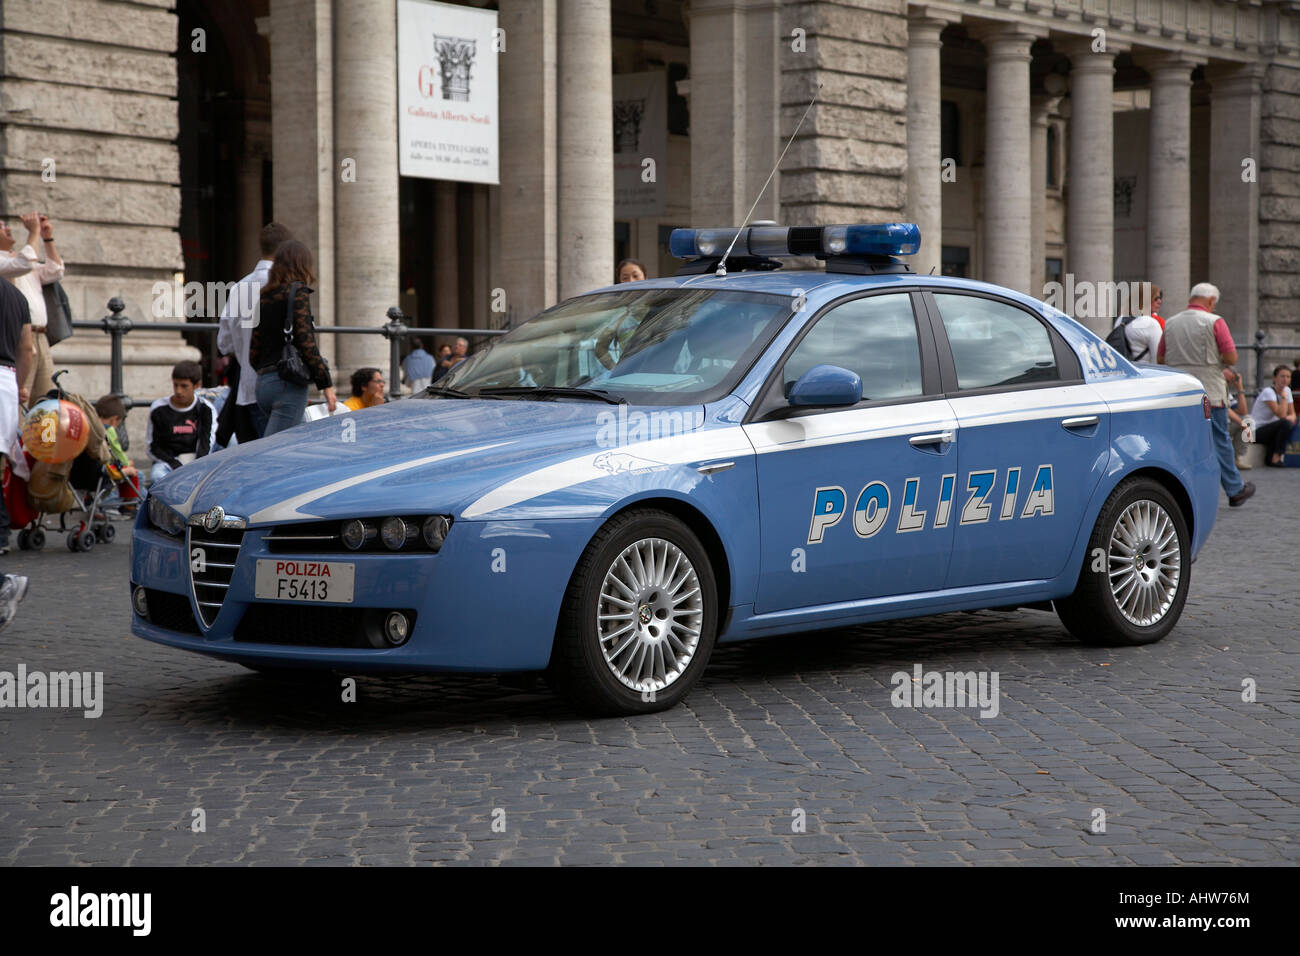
{"x": 649, "y": 346}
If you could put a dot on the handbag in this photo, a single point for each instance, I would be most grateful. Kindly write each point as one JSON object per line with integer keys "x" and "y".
{"x": 58, "y": 313}
{"x": 291, "y": 367}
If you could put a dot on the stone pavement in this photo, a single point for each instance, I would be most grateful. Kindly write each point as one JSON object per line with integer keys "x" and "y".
{"x": 790, "y": 731}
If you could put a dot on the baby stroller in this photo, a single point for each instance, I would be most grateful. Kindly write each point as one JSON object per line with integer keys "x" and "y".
{"x": 78, "y": 491}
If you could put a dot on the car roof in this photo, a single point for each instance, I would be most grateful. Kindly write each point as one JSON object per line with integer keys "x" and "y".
{"x": 818, "y": 285}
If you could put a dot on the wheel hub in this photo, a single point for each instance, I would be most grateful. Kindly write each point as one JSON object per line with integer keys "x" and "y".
{"x": 650, "y": 614}
{"x": 1145, "y": 563}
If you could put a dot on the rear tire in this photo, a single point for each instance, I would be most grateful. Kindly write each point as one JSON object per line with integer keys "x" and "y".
{"x": 1136, "y": 571}
{"x": 639, "y": 618}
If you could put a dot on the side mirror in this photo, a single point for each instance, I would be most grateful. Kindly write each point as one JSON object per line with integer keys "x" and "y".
{"x": 827, "y": 386}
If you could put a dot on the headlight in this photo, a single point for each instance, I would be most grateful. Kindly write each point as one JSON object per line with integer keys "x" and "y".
{"x": 435, "y": 531}
{"x": 353, "y": 534}
{"x": 393, "y": 533}
{"x": 164, "y": 518}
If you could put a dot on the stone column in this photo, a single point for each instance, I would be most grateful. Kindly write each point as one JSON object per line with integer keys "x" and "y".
{"x": 718, "y": 113}
{"x": 585, "y": 144}
{"x": 1169, "y": 178}
{"x": 446, "y": 256}
{"x": 1007, "y": 200}
{"x": 1040, "y": 112}
{"x": 302, "y": 138}
{"x": 365, "y": 173}
{"x": 924, "y": 140}
{"x": 1234, "y": 195}
{"x": 849, "y": 161}
{"x": 529, "y": 256}
{"x": 763, "y": 142}
{"x": 1090, "y": 182}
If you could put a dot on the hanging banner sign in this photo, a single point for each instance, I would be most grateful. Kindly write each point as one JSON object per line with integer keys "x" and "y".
{"x": 640, "y": 144}
{"x": 447, "y": 105}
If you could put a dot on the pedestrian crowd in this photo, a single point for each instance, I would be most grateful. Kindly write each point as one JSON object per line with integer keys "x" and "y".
{"x": 266, "y": 336}
{"x": 1197, "y": 341}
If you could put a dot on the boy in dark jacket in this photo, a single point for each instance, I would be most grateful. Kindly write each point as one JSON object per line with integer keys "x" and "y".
{"x": 180, "y": 427}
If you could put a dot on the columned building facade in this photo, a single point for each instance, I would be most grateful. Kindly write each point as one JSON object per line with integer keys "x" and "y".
{"x": 1120, "y": 142}
{"x": 1034, "y": 141}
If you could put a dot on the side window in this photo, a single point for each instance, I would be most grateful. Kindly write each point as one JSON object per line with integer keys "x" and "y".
{"x": 875, "y": 337}
{"x": 995, "y": 344}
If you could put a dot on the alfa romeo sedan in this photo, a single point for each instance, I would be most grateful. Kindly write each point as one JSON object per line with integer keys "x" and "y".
{"x": 641, "y": 472}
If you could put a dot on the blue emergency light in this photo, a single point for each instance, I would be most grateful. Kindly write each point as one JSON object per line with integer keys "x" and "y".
{"x": 764, "y": 241}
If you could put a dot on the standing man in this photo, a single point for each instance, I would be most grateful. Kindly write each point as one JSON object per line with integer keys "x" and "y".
{"x": 29, "y": 274}
{"x": 15, "y": 364}
{"x": 1197, "y": 341}
{"x": 245, "y": 418}
{"x": 418, "y": 366}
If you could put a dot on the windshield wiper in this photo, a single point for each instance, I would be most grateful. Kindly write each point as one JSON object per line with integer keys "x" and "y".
{"x": 446, "y": 390}
{"x": 542, "y": 391}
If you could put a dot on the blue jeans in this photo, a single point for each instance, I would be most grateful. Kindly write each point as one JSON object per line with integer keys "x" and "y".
{"x": 1229, "y": 477}
{"x": 281, "y": 402}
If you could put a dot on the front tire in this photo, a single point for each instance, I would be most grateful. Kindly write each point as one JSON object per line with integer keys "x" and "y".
{"x": 1136, "y": 571}
{"x": 639, "y": 618}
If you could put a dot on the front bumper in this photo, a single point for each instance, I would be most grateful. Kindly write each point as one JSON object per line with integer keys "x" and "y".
{"x": 488, "y": 601}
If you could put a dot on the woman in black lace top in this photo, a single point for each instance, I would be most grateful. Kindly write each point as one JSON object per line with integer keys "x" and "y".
{"x": 282, "y": 403}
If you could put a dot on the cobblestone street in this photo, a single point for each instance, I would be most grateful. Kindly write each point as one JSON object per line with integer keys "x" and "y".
{"x": 473, "y": 769}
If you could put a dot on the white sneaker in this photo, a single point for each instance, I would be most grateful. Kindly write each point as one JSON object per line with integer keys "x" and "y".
{"x": 12, "y": 590}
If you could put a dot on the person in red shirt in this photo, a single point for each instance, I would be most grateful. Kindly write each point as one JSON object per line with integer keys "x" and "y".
{"x": 1197, "y": 341}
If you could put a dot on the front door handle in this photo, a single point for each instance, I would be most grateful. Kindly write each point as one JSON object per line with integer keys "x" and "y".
{"x": 1085, "y": 421}
{"x": 934, "y": 438}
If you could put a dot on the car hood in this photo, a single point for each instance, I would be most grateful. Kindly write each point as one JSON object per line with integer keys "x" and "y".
{"x": 405, "y": 457}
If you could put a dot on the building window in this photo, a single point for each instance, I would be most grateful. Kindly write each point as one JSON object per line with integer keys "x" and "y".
{"x": 950, "y": 131}
{"x": 956, "y": 261}
{"x": 1052, "y": 269}
{"x": 1053, "y": 147}
{"x": 679, "y": 111}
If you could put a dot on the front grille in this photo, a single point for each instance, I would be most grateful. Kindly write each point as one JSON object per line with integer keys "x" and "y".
{"x": 171, "y": 611}
{"x": 323, "y": 537}
{"x": 312, "y": 626}
{"x": 219, "y": 551}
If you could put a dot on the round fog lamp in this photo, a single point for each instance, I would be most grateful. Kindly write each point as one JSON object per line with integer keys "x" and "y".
{"x": 140, "y": 600}
{"x": 396, "y": 628}
{"x": 353, "y": 534}
{"x": 435, "y": 531}
{"x": 393, "y": 533}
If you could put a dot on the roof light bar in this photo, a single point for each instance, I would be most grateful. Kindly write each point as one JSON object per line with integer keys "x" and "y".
{"x": 864, "y": 239}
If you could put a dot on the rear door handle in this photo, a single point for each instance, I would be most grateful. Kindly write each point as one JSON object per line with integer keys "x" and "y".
{"x": 1084, "y": 421}
{"x": 935, "y": 438}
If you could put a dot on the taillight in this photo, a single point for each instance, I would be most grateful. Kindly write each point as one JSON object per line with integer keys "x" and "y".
{"x": 1205, "y": 405}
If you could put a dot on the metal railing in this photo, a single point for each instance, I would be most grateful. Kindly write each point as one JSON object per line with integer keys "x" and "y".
{"x": 396, "y": 330}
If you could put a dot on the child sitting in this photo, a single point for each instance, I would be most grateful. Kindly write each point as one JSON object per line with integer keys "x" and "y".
{"x": 112, "y": 412}
{"x": 181, "y": 427}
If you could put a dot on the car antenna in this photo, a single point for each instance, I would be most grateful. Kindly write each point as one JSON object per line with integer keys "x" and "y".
{"x": 932, "y": 268}
{"x": 722, "y": 263}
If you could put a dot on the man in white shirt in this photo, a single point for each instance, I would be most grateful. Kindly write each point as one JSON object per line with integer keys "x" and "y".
{"x": 1275, "y": 415}
{"x": 29, "y": 274}
{"x": 1143, "y": 334}
{"x": 238, "y": 319}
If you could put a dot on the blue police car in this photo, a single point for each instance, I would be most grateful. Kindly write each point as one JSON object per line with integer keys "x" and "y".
{"x": 641, "y": 472}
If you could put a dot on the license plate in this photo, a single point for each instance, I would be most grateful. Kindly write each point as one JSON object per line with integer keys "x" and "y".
{"x": 314, "y": 582}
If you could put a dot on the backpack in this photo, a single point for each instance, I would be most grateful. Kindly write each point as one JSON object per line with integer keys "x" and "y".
{"x": 1117, "y": 339}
